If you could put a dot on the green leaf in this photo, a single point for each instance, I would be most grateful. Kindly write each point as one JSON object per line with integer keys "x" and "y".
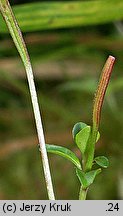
{"x": 90, "y": 176}
{"x": 98, "y": 136}
{"x": 78, "y": 127}
{"x": 82, "y": 178}
{"x": 102, "y": 161}
{"x": 82, "y": 137}
{"x": 65, "y": 14}
{"x": 86, "y": 179}
{"x": 64, "y": 152}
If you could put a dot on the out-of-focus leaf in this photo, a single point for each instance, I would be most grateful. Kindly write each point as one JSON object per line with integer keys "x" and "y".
{"x": 64, "y": 152}
{"x": 86, "y": 85}
{"x": 102, "y": 161}
{"x": 52, "y": 15}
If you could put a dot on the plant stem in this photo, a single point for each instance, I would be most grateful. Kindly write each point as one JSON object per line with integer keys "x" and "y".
{"x": 82, "y": 193}
{"x": 15, "y": 32}
{"x": 99, "y": 98}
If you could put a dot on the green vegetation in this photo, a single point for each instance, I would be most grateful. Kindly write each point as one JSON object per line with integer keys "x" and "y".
{"x": 52, "y": 15}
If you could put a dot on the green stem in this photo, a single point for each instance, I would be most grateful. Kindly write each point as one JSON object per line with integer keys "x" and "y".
{"x": 17, "y": 37}
{"x": 82, "y": 193}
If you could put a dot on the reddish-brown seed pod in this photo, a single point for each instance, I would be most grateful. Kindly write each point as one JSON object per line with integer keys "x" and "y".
{"x": 99, "y": 97}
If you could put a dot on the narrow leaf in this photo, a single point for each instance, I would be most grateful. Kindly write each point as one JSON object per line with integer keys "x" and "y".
{"x": 82, "y": 137}
{"x": 78, "y": 127}
{"x": 64, "y": 152}
{"x": 102, "y": 161}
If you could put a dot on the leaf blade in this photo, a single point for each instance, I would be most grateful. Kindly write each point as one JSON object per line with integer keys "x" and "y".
{"x": 86, "y": 179}
{"x": 90, "y": 176}
{"x": 81, "y": 176}
{"x": 64, "y": 152}
{"x": 77, "y": 128}
{"x": 102, "y": 161}
{"x": 82, "y": 137}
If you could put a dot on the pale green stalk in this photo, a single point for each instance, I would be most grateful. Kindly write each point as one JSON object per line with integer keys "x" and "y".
{"x": 15, "y": 32}
{"x": 82, "y": 193}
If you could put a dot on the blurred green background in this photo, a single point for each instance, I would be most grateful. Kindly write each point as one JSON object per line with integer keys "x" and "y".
{"x": 68, "y": 42}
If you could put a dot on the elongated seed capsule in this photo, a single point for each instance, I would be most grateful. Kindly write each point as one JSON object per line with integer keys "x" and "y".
{"x": 103, "y": 83}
